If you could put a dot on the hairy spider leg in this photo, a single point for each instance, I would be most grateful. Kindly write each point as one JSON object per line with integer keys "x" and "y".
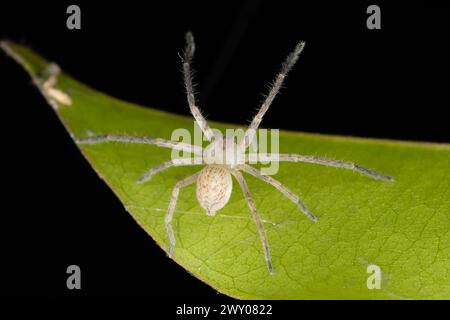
{"x": 251, "y": 204}
{"x": 173, "y": 202}
{"x": 287, "y": 65}
{"x": 280, "y": 187}
{"x": 283, "y": 157}
{"x": 169, "y": 164}
{"x": 188, "y": 55}
{"x": 180, "y": 146}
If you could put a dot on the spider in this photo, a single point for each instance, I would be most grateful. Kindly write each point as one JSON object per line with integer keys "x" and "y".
{"x": 214, "y": 181}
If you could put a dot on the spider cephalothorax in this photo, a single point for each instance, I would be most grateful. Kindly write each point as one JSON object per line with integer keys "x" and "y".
{"x": 224, "y": 151}
{"x": 225, "y": 158}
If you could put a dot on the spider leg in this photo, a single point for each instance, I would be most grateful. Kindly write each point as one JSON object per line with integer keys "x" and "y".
{"x": 287, "y": 65}
{"x": 251, "y": 204}
{"x": 280, "y": 187}
{"x": 173, "y": 202}
{"x": 322, "y": 161}
{"x": 142, "y": 140}
{"x": 168, "y": 164}
{"x": 188, "y": 55}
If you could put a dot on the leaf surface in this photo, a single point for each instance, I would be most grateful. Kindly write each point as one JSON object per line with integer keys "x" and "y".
{"x": 401, "y": 227}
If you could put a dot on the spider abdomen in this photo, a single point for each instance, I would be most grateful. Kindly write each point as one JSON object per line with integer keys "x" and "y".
{"x": 214, "y": 186}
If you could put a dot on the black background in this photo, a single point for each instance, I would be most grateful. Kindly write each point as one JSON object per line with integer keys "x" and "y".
{"x": 388, "y": 83}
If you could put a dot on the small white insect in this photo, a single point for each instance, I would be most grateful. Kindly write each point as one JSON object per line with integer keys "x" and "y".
{"x": 49, "y": 89}
{"x": 214, "y": 181}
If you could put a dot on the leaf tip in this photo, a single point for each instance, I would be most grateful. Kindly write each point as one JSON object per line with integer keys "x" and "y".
{"x": 6, "y": 46}
{"x": 4, "y": 43}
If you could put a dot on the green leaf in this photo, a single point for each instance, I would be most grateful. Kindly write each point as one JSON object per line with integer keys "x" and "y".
{"x": 402, "y": 227}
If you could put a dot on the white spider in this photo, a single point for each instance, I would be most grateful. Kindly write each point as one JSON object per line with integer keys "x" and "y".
{"x": 214, "y": 182}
